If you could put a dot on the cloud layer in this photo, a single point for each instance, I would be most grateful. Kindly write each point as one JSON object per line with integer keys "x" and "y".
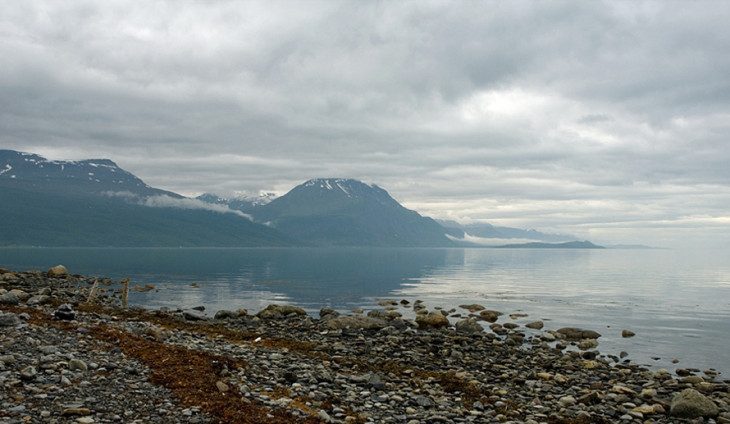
{"x": 610, "y": 120}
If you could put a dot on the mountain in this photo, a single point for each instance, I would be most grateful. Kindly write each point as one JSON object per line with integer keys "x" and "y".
{"x": 566, "y": 245}
{"x": 91, "y": 176}
{"x": 346, "y": 212}
{"x": 96, "y": 203}
{"x": 484, "y": 230}
{"x": 240, "y": 202}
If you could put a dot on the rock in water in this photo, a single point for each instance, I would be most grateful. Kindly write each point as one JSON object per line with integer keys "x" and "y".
{"x": 432, "y": 320}
{"x": 225, "y": 314}
{"x": 468, "y": 326}
{"x": 194, "y": 315}
{"x": 65, "y": 312}
{"x": 535, "y": 325}
{"x": 572, "y": 333}
{"x": 690, "y": 403}
{"x": 627, "y": 333}
{"x": 58, "y": 271}
{"x": 280, "y": 311}
{"x": 490, "y": 316}
{"x": 474, "y": 307}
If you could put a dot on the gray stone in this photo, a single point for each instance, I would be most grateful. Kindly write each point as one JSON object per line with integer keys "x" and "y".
{"x": 9, "y": 299}
{"x": 432, "y": 320}
{"x": 58, "y": 271}
{"x": 468, "y": 326}
{"x": 225, "y": 314}
{"x": 690, "y": 403}
{"x": 280, "y": 311}
{"x": 40, "y": 299}
{"x": 8, "y": 319}
{"x": 65, "y": 312}
{"x": 194, "y": 315}
{"x": 572, "y": 333}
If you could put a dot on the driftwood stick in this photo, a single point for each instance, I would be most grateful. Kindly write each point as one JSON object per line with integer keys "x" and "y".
{"x": 125, "y": 292}
{"x": 92, "y": 292}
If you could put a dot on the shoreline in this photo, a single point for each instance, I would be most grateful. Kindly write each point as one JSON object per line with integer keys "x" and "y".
{"x": 282, "y": 365}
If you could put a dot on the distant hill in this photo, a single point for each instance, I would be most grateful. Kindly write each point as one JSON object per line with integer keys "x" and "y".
{"x": 540, "y": 245}
{"x": 96, "y": 203}
{"x": 338, "y": 211}
{"x": 488, "y": 231}
{"x": 243, "y": 203}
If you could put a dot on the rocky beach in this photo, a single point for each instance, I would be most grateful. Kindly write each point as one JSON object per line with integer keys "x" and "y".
{"x": 71, "y": 351}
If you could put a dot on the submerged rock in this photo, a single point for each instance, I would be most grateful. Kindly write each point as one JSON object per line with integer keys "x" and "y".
{"x": 468, "y": 326}
{"x": 194, "y": 315}
{"x": 535, "y": 325}
{"x": 280, "y": 311}
{"x": 572, "y": 333}
{"x": 474, "y": 307}
{"x": 489, "y": 315}
{"x": 57, "y": 271}
{"x": 432, "y": 320}
{"x": 355, "y": 322}
{"x": 225, "y": 314}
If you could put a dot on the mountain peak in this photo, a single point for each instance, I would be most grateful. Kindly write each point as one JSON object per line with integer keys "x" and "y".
{"x": 345, "y": 185}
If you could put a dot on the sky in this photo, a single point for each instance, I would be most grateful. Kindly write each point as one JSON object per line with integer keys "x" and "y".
{"x": 607, "y": 120}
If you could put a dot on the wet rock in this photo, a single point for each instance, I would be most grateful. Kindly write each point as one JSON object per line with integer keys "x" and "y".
{"x": 489, "y": 315}
{"x": 468, "y": 326}
{"x": 627, "y": 333}
{"x": 432, "y": 320}
{"x": 692, "y": 404}
{"x": 587, "y": 344}
{"x": 474, "y": 307}
{"x": 225, "y": 314}
{"x": 58, "y": 271}
{"x": 280, "y": 311}
{"x": 535, "y": 325}
{"x": 572, "y": 333}
{"x": 328, "y": 312}
{"x": 194, "y": 315}
{"x": 65, "y": 312}
{"x": 355, "y": 322}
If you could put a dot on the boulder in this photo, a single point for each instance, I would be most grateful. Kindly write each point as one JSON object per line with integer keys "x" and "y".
{"x": 473, "y": 307}
{"x": 194, "y": 315}
{"x": 9, "y": 299}
{"x": 40, "y": 299}
{"x": 355, "y": 322}
{"x": 8, "y": 320}
{"x": 20, "y": 294}
{"x": 535, "y": 325}
{"x": 65, "y": 312}
{"x": 225, "y": 314}
{"x": 58, "y": 271}
{"x": 627, "y": 333}
{"x": 280, "y": 311}
{"x": 468, "y": 326}
{"x": 489, "y": 315}
{"x": 690, "y": 403}
{"x": 328, "y": 312}
{"x": 572, "y": 333}
{"x": 432, "y": 320}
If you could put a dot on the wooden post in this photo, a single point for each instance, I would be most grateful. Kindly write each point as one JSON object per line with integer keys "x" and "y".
{"x": 125, "y": 292}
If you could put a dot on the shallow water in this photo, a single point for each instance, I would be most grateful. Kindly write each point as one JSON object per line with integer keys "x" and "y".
{"x": 678, "y": 302}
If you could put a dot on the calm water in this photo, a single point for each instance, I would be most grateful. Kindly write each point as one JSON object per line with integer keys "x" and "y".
{"x": 677, "y": 302}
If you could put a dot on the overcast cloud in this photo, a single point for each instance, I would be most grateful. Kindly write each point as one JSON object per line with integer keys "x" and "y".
{"x": 607, "y": 120}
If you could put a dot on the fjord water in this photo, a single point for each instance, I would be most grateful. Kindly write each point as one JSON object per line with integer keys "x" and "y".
{"x": 677, "y": 302}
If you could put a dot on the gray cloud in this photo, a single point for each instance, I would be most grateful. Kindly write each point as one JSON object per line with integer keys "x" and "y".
{"x": 606, "y": 118}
